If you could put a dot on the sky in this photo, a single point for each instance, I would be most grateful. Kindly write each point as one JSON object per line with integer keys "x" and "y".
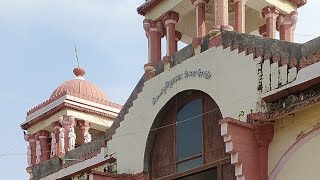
{"x": 37, "y": 54}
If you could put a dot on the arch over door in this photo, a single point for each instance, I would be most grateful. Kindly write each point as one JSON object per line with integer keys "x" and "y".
{"x": 161, "y": 155}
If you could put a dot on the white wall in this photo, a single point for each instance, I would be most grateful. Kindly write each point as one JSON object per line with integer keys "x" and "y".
{"x": 233, "y": 86}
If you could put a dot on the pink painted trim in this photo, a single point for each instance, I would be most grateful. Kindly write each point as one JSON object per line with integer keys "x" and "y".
{"x": 291, "y": 150}
{"x": 34, "y": 121}
{"x": 45, "y": 103}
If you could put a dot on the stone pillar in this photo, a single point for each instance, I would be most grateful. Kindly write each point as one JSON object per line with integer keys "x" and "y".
{"x": 263, "y": 135}
{"x": 85, "y": 126}
{"x": 221, "y": 15}
{"x": 271, "y": 14}
{"x": 30, "y": 138}
{"x": 200, "y": 6}
{"x": 240, "y": 15}
{"x": 170, "y": 19}
{"x": 66, "y": 122}
{"x": 43, "y": 137}
{"x": 154, "y": 32}
{"x": 55, "y": 147}
{"x": 286, "y": 24}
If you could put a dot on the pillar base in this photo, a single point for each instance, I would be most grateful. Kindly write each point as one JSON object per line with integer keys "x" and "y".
{"x": 29, "y": 171}
{"x": 149, "y": 71}
{"x": 215, "y": 39}
{"x": 166, "y": 62}
{"x": 196, "y": 42}
{"x": 215, "y": 31}
{"x": 61, "y": 155}
{"x": 226, "y": 28}
{"x": 148, "y": 67}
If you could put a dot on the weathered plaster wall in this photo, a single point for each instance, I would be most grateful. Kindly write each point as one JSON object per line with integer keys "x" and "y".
{"x": 233, "y": 86}
{"x": 304, "y": 164}
{"x": 287, "y": 132}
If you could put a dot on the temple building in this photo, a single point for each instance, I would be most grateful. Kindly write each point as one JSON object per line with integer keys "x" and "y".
{"x": 237, "y": 103}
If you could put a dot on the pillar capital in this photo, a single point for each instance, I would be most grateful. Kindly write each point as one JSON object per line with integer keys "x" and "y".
{"x": 287, "y": 19}
{"x": 67, "y": 120}
{"x": 83, "y": 124}
{"x": 56, "y": 124}
{"x": 196, "y": 2}
{"x": 42, "y": 134}
{"x": 153, "y": 26}
{"x": 264, "y": 135}
{"x": 170, "y": 17}
{"x": 29, "y": 137}
{"x": 269, "y": 11}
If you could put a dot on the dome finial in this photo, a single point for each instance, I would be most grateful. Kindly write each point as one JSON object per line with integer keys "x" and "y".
{"x": 79, "y": 72}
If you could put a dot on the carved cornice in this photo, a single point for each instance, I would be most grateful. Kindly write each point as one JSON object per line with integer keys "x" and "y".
{"x": 299, "y": 3}
{"x": 147, "y": 6}
{"x": 47, "y": 102}
{"x": 60, "y": 107}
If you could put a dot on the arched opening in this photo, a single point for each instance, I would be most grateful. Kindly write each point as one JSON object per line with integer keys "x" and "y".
{"x": 185, "y": 141}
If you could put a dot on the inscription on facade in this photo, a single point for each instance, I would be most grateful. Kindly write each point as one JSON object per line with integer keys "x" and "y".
{"x": 187, "y": 74}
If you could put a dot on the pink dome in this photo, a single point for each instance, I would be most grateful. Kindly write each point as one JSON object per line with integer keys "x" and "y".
{"x": 79, "y": 86}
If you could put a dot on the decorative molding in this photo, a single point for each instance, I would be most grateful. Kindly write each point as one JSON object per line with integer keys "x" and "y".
{"x": 34, "y": 121}
{"x": 81, "y": 96}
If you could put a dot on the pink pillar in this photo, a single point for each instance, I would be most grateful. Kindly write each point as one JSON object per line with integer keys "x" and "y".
{"x": 240, "y": 15}
{"x": 286, "y": 25}
{"x": 221, "y": 15}
{"x": 154, "y": 32}
{"x": 200, "y": 6}
{"x": 45, "y": 146}
{"x": 263, "y": 136}
{"x": 85, "y": 126}
{"x": 271, "y": 14}
{"x": 170, "y": 19}
{"x": 31, "y": 138}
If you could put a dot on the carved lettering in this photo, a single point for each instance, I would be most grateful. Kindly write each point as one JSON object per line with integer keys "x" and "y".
{"x": 187, "y": 74}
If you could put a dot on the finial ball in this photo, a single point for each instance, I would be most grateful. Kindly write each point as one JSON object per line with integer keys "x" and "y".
{"x": 78, "y": 71}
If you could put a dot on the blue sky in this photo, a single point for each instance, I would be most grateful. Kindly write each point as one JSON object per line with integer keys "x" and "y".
{"x": 36, "y": 55}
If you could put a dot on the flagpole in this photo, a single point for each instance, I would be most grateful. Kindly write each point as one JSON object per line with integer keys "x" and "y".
{"x": 76, "y": 54}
